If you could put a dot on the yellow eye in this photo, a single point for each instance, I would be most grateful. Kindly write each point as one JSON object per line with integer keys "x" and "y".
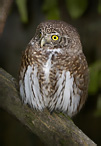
{"x": 55, "y": 37}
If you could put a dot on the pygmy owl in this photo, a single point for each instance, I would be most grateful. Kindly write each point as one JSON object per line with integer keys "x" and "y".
{"x": 54, "y": 70}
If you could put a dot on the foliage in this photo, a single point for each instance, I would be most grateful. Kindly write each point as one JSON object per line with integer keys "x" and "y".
{"x": 95, "y": 77}
{"x": 50, "y": 7}
{"x": 22, "y": 7}
{"x": 97, "y": 112}
{"x": 95, "y": 84}
{"x": 76, "y": 8}
{"x": 99, "y": 7}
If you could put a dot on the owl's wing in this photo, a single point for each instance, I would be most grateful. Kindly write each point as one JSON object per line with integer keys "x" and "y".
{"x": 71, "y": 87}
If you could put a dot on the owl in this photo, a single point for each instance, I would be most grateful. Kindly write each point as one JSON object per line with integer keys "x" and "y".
{"x": 54, "y": 70}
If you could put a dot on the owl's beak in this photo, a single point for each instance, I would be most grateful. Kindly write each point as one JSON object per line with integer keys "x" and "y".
{"x": 43, "y": 41}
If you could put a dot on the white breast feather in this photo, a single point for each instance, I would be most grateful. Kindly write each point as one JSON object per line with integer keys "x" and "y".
{"x": 48, "y": 65}
{"x": 67, "y": 93}
{"x": 36, "y": 89}
{"x": 28, "y": 87}
{"x": 57, "y": 95}
{"x": 47, "y": 68}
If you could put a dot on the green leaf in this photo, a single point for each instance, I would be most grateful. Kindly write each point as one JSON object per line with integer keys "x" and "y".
{"x": 76, "y": 8}
{"x": 99, "y": 7}
{"x": 51, "y": 10}
{"x": 97, "y": 112}
{"x": 22, "y": 7}
{"x": 95, "y": 77}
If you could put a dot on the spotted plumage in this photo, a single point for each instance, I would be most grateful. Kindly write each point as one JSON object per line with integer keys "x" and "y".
{"x": 54, "y": 71}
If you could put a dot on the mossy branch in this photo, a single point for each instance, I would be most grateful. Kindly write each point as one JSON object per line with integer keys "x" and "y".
{"x": 53, "y": 130}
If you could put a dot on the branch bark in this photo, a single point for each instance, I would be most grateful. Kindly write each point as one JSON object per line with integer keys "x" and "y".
{"x": 53, "y": 130}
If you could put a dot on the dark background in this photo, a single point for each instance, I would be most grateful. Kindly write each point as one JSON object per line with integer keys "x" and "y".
{"x": 15, "y": 37}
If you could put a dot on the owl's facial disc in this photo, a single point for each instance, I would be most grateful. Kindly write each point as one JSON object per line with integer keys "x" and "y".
{"x": 50, "y": 40}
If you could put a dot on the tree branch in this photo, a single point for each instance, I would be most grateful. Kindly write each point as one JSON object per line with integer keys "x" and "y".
{"x": 4, "y": 9}
{"x": 53, "y": 130}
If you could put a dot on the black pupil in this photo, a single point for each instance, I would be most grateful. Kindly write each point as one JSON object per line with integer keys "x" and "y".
{"x": 55, "y": 37}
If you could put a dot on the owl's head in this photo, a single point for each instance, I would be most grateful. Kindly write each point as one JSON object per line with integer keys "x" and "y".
{"x": 57, "y": 34}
